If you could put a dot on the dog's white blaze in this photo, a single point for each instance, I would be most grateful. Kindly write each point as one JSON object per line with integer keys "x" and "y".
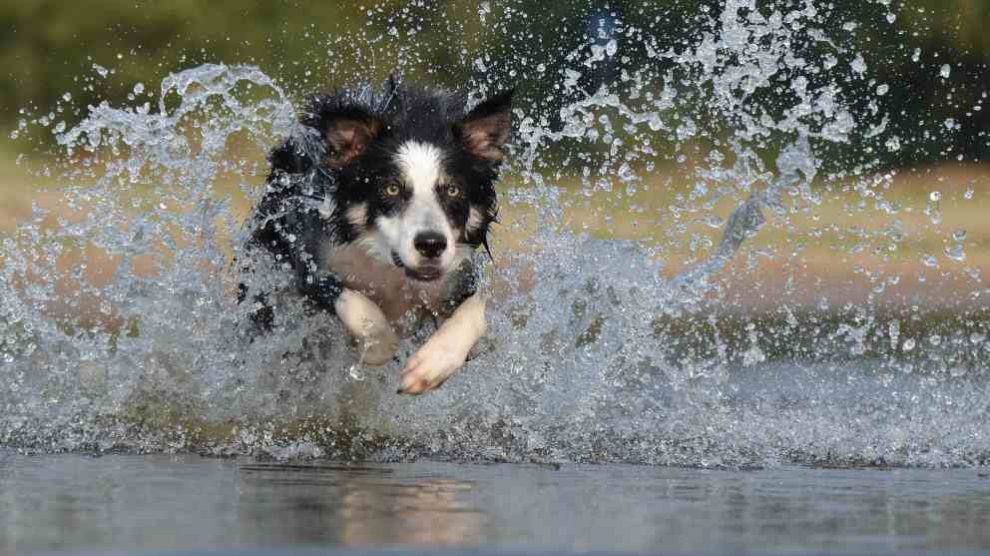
{"x": 422, "y": 170}
{"x": 421, "y": 166}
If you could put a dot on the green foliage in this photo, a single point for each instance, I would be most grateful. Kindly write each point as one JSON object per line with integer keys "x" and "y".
{"x": 51, "y": 48}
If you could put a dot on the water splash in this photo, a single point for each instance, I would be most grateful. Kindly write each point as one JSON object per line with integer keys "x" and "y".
{"x": 119, "y": 327}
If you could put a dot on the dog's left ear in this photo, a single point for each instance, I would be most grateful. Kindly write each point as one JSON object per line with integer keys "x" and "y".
{"x": 348, "y": 135}
{"x": 486, "y": 129}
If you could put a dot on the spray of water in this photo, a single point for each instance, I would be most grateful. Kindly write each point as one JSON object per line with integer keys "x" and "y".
{"x": 594, "y": 354}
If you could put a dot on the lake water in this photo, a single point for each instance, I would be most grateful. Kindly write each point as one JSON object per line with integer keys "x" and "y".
{"x": 72, "y": 503}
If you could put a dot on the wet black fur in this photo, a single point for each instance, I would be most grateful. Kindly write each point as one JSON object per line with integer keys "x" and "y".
{"x": 288, "y": 222}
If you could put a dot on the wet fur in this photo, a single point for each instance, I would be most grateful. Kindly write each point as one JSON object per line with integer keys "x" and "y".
{"x": 331, "y": 216}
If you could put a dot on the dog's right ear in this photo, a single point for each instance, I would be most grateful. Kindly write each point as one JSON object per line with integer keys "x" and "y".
{"x": 485, "y": 130}
{"x": 348, "y": 133}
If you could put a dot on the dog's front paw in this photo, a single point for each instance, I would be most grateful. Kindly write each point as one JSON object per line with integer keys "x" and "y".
{"x": 378, "y": 347}
{"x": 433, "y": 364}
{"x": 377, "y": 343}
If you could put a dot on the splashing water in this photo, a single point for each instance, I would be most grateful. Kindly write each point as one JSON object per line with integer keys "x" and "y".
{"x": 119, "y": 327}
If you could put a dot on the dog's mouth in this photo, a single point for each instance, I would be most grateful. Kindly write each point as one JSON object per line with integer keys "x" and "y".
{"x": 425, "y": 273}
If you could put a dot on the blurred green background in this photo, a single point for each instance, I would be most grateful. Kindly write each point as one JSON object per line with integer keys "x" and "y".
{"x": 54, "y": 50}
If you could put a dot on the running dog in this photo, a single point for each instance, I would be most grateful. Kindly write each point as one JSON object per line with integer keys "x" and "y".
{"x": 378, "y": 204}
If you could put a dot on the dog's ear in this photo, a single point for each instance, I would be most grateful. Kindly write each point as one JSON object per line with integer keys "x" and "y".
{"x": 348, "y": 134}
{"x": 486, "y": 129}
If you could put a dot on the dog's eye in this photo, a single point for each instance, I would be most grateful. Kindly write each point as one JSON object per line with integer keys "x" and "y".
{"x": 393, "y": 189}
{"x": 452, "y": 190}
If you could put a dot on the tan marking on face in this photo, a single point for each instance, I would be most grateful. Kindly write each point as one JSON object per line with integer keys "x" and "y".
{"x": 358, "y": 215}
{"x": 474, "y": 219}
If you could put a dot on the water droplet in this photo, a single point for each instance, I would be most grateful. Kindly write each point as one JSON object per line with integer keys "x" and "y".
{"x": 945, "y": 71}
{"x": 356, "y": 373}
{"x": 955, "y": 252}
{"x": 611, "y": 47}
{"x": 859, "y": 64}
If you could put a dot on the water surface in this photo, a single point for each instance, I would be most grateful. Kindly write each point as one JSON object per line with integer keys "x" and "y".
{"x": 165, "y": 502}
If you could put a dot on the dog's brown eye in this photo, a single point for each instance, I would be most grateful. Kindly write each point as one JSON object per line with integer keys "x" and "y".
{"x": 392, "y": 189}
{"x": 452, "y": 190}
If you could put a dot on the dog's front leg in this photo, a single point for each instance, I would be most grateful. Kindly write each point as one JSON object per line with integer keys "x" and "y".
{"x": 377, "y": 342}
{"x": 446, "y": 350}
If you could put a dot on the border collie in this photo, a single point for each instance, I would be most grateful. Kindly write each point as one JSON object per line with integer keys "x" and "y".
{"x": 377, "y": 205}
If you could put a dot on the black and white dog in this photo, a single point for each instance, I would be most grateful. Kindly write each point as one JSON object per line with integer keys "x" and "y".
{"x": 378, "y": 206}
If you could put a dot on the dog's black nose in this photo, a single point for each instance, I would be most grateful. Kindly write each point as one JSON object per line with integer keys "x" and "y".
{"x": 430, "y": 244}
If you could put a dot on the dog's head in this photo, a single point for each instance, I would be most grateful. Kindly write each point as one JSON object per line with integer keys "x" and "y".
{"x": 415, "y": 174}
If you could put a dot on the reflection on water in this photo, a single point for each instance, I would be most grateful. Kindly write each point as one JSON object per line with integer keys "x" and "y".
{"x": 355, "y": 505}
{"x": 167, "y": 502}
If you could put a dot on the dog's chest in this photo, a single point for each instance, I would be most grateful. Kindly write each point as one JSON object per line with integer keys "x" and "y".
{"x": 385, "y": 284}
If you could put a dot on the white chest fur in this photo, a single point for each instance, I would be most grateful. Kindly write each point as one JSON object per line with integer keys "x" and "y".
{"x": 403, "y": 301}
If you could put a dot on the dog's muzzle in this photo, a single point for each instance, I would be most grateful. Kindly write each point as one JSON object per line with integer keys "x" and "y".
{"x": 425, "y": 273}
